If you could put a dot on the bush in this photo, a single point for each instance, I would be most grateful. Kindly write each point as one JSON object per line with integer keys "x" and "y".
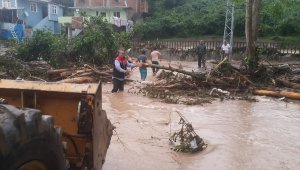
{"x": 43, "y": 45}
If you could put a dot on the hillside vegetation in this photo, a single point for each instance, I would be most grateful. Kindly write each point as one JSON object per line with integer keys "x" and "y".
{"x": 190, "y": 18}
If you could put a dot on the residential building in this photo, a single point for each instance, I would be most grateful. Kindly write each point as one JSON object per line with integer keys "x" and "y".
{"x": 137, "y": 8}
{"x": 33, "y": 14}
{"x": 117, "y": 12}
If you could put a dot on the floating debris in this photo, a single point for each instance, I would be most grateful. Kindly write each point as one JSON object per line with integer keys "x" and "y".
{"x": 186, "y": 140}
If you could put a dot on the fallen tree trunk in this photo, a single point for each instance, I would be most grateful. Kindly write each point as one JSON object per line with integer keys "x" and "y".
{"x": 291, "y": 95}
{"x": 196, "y": 75}
{"x": 65, "y": 74}
{"x": 288, "y": 84}
{"x": 58, "y": 71}
{"x": 79, "y": 80}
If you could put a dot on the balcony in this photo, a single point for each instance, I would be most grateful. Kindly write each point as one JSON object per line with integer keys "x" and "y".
{"x": 120, "y": 22}
{"x": 7, "y": 5}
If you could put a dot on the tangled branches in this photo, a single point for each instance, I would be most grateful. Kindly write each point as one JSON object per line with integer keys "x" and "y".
{"x": 188, "y": 140}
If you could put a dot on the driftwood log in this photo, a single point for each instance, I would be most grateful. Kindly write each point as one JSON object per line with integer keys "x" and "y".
{"x": 58, "y": 71}
{"x": 291, "y": 95}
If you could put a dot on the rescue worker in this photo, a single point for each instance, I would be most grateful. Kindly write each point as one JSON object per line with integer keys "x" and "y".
{"x": 119, "y": 71}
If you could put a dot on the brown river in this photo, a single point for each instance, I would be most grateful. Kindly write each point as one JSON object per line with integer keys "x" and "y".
{"x": 241, "y": 135}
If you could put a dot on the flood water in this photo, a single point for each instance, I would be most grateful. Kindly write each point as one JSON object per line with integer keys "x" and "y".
{"x": 240, "y": 134}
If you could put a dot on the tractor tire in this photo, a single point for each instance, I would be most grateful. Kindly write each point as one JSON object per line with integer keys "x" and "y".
{"x": 29, "y": 140}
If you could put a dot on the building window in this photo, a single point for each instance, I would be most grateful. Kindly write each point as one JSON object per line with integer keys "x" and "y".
{"x": 7, "y": 3}
{"x": 117, "y": 14}
{"x": 33, "y": 7}
{"x": 103, "y": 14}
{"x": 53, "y": 9}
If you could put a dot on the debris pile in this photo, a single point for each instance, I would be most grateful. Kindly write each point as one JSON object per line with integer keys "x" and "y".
{"x": 223, "y": 81}
{"x": 196, "y": 88}
{"x": 12, "y": 68}
{"x": 85, "y": 74}
{"x": 172, "y": 88}
{"x": 186, "y": 139}
{"x": 174, "y": 85}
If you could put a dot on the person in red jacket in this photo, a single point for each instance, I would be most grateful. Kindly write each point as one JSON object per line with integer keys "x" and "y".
{"x": 119, "y": 71}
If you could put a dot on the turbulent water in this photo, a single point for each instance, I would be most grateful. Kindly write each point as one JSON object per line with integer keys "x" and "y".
{"x": 240, "y": 134}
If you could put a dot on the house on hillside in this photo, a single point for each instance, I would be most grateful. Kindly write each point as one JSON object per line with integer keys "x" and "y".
{"x": 118, "y": 12}
{"x": 32, "y": 14}
{"x": 137, "y": 8}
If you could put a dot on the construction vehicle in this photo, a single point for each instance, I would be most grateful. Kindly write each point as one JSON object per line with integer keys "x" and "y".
{"x": 52, "y": 126}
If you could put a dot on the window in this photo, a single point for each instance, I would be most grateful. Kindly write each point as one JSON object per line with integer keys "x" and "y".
{"x": 53, "y": 9}
{"x": 103, "y": 14}
{"x": 33, "y": 7}
{"x": 7, "y": 3}
{"x": 117, "y": 14}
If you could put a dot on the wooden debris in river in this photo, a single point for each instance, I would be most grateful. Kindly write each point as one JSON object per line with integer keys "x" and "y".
{"x": 186, "y": 140}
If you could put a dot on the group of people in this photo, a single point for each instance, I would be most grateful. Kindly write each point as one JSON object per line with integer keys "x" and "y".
{"x": 121, "y": 63}
{"x": 201, "y": 52}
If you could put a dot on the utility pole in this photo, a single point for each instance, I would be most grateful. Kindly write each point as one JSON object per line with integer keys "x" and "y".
{"x": 229, "y": 26}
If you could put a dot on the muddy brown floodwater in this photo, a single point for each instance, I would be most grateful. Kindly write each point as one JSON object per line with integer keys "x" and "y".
{"x": 240, "y": 135}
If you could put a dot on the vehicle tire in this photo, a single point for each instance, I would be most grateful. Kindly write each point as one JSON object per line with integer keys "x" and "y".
{"x": 30, "y": 138}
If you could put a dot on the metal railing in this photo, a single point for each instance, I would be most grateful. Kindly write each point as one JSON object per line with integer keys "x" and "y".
{"x": 215, "y": 45}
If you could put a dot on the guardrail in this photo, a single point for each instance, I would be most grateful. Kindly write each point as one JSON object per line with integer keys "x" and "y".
{"x": 283, "y": 48}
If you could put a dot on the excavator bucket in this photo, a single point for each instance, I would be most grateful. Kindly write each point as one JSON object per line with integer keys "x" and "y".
{"x": 76, "y": 108}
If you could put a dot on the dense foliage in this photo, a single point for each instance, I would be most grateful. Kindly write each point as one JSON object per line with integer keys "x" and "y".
{"x": 280, "y": 17}
{"x": 190, "y": 18}
{"x": 182, "y": 18}
{"x": 43, "y": 46}
{"x": 97, "y": 45}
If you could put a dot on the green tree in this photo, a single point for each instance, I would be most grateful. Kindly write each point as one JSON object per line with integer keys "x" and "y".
{"x": 190, "y": 18}
{"x": 43, "y": 45}
{"x": 99, "y": 42}
{"x": 96, "y": 45}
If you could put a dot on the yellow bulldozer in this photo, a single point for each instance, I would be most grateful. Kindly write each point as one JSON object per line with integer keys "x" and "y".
{"x": 52, "y": 126}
